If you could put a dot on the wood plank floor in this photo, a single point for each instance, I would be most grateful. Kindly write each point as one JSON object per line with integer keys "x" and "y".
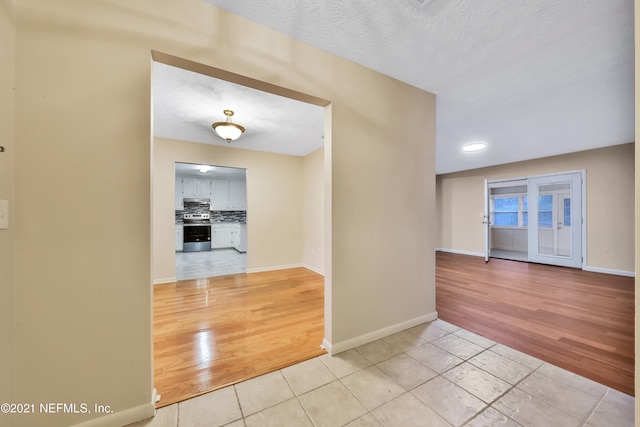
{"x": 209, "y": 333}
{"x": 578, "y": 320}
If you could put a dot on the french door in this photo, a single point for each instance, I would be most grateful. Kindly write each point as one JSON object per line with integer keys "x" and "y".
{"x": 555, "y": 220}
{"x": 486, "y": 221}
{"x": 538, "y": 219}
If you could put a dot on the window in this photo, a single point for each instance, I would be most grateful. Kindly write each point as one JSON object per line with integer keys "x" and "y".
{"x": 505, "y": 211}
{"x": 509, "y": 211}
{"x": 545, "y": 210}
{"x": 567, "y": 212}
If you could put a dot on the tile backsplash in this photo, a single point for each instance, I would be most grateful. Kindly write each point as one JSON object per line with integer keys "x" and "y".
{"x": 229, "y": 216}
{"x": 216, "y": 216}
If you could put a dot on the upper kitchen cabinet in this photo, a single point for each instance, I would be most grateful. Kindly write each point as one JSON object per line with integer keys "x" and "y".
{"x": 228, "y": 195}
{"x": 220, "y": 195}
{"x": 189, "y": 187}
{"x": 204, "y": 188}
{"x": 179, "y": 202}
{"x": 196, "y": 187}
{"x": 238, "y": 199}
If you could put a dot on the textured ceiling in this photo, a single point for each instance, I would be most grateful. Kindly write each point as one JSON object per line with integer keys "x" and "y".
{"x": 533, "y": 78}
{"x": 186, "y": 104}
{"x": 216, "y": 172}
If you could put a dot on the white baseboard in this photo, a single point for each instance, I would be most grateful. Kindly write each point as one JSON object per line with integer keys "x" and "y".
{"x": 122, "y": 418}
{"x": 164, "y": 280}
{"x": 610, "y": 271}
{"x": 326, "y": 345}
{"x": 339, "y": 347}
{"x": 314, "y": 269}
{"x": 455, "y": 251}
{"x": 274, "y": 268}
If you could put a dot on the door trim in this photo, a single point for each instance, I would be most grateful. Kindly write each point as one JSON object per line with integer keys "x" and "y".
{"x": 575, "y": 260}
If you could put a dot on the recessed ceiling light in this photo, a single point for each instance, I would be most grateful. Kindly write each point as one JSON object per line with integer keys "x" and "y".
{"x": 472, "y": 147}
{"x": 204, "y": 169}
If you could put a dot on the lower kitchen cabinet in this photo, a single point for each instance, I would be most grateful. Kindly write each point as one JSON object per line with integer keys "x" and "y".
{"x": 222, "y": 235}
{"x": 179, "y": 237}
{"x": 240, "y": 241}
{"x": 229, "y": 236}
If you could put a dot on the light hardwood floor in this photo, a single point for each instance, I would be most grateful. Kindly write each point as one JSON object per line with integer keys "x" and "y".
{"x": 213, "y": 332}
{"x": 209, "y": 333}
{"x": 578, "y": 320}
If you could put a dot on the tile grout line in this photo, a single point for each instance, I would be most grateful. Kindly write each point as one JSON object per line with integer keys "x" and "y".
{"x": 583, "y": 420}
{"x": 512, "y": 386}
{"x": 468, "y": 360}
{"x": 297, "y": 396}
{"x": 595, "y": 408}
{"x": 447, "y": 333}
{"x": 242, "y": 417}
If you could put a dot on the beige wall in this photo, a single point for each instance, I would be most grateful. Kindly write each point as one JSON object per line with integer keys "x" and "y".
{"x": 274, "y": 195}
{"x": 609, "y": 172}
{"x": 7, "y": 82}
{"x": 83, "y": 288}
{"x": 637, "y": 197}
{"x": 313, "y": 210}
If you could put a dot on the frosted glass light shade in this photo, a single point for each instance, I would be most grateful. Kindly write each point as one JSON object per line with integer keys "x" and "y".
{"x": 228, "y": 130}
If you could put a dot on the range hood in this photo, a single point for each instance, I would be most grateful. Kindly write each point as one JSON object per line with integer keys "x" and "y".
{"x": 198, "y": 201}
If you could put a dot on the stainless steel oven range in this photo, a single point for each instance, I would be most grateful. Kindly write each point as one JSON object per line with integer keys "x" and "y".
{"x": 197, "y": 232}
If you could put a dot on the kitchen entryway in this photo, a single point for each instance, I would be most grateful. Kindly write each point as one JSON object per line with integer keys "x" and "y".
{"x": 213, "y": 327}
{"x": 211, "y": 221}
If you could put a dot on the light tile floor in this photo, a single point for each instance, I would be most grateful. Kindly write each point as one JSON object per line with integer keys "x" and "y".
{"x": 434, "y": 374}
{"x": 217, "y": 262}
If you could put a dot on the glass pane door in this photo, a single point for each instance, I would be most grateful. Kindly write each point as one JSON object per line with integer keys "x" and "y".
{"x": 486, "y": 222}
{"x": 555, "y": 218}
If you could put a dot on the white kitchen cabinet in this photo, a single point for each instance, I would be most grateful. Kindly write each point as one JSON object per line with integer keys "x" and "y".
{"x": 179, "y": 237}
{"x": 189, "y": 187}
{"x": 219, "y": 195}
{"x": 178, "y": 200}
{"x": 238, "y": 195}
{"x": 222, "y": 235}
{"x": 234, "y": 236}
{"x": 228, "y": 195}
{"x": 204, "y": 188}
{"x": 240, "y": 238}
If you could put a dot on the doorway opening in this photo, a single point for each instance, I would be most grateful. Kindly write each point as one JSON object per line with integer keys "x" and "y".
{"x": 211, "y": 220}
{"x": 213, "y": 331}
{"x": 536, "y": 219}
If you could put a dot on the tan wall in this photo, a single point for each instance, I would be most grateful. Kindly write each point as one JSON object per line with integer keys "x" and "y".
{"x": 274, "y": 195}
{"x": 7, "y": 82}
{"x": 637, "y": 197}
{"x": 610, "y": 242}
{"x": 313, "y": 210}
{"x": 82, "y": 299}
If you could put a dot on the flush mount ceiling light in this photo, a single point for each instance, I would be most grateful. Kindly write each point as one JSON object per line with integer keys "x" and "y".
{"x": 228, "y": 130}
{"x": 422, "y": 3}
{"x": 204, "y": 169}
{"x": 473, "y": 147}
